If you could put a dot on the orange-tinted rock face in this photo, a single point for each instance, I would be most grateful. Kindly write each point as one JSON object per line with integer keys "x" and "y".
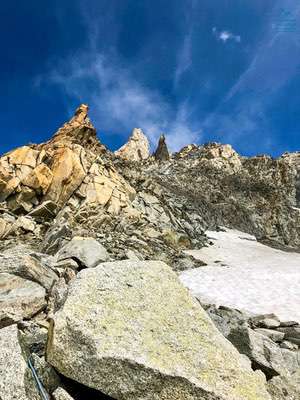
{"x": 39, "y": 179}
{"x": 55, "y": 170}
{"x": 23, "y": 156}
{"x": 68, "y": 174}
{"x": 210, "y": 185}
{"x": 79, "y": 130}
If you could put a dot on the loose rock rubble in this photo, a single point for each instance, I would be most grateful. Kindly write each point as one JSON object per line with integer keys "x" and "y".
{"x": 92, "y": 243}
{"x": 267, "y": 342}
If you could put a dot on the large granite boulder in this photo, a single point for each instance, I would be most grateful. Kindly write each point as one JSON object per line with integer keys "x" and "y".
{"x": 26, "y": 278}
{"x": 130, "y": 330}
{"x": 12, "y": 366}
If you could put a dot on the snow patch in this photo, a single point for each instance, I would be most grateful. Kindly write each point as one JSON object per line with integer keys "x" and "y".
{"x": 244, "y": 274}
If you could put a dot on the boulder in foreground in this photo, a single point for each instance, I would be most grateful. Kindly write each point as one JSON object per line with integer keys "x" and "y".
{"x": 130, "y": 330}
{"x": 12, "y": 366}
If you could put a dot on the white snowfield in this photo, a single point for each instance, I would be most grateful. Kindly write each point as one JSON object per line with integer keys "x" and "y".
{"x": 244, "y": 274}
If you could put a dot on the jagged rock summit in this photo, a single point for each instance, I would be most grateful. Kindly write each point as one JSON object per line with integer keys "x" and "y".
{"x": 72, "y": 163}
{"x": 137, "y": 148}
{"x": 79, "y": 130}
{"x": 200, "y": 188}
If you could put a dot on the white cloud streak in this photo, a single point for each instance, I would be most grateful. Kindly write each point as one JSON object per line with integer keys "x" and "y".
{"x": 184, "y": 55}
{"x": 184, "y": 58}
{"x": 224, "y": 36}
{"x": 118, "y": 102}
{"x": 241, "y": 116}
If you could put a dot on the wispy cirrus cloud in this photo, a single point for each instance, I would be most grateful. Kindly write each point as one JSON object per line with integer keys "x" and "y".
{"x": 276, "y": 58}
{"x": 241, "y": 116}
{"x": 184, "y": 54}
{"x": 184, "y": 58}
{"x": 121, "y": 99}
{"x": 118, "y": 100}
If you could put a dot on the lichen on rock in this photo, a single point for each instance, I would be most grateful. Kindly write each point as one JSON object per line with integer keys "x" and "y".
{"x": 133, "y": 321}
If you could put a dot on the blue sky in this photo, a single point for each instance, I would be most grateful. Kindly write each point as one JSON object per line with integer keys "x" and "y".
{"x": 197, "y": 70}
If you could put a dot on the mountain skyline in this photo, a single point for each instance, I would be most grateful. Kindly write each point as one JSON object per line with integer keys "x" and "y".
{"x": 198, "y": 72}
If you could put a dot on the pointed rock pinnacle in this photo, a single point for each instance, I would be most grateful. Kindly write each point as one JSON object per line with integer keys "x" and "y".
{"x": 137, "y": 148}
{"x": 79, "y": 120}
{"x": 78, "y": 130}
{"x": 162, "y": 152}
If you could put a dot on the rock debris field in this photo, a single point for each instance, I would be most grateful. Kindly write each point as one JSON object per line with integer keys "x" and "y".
{"x": 244, "y": 274}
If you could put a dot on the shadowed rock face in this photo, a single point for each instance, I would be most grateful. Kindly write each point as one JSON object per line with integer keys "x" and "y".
{"x": 162, "y": 152}
{"x": 75, "y": 391}
{"x": 256, "y": 195}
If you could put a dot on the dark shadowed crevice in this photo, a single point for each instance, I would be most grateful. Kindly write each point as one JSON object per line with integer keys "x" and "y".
{"x": 81, "y": 392}
{"x": 269, "y": 373}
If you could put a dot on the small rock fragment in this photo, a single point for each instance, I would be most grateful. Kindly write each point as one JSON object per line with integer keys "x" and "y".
{"x": 19, "y": 298}
{"x": 61, "y": 394}
{"x": 87, "y": 251}
{"x": 267, "y": 321}
{"x": 274, "y": 335}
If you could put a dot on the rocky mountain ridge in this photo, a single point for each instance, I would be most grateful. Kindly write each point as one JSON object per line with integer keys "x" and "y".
{"x": 212, "y": 184}
{"x": 88, "y": 232}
